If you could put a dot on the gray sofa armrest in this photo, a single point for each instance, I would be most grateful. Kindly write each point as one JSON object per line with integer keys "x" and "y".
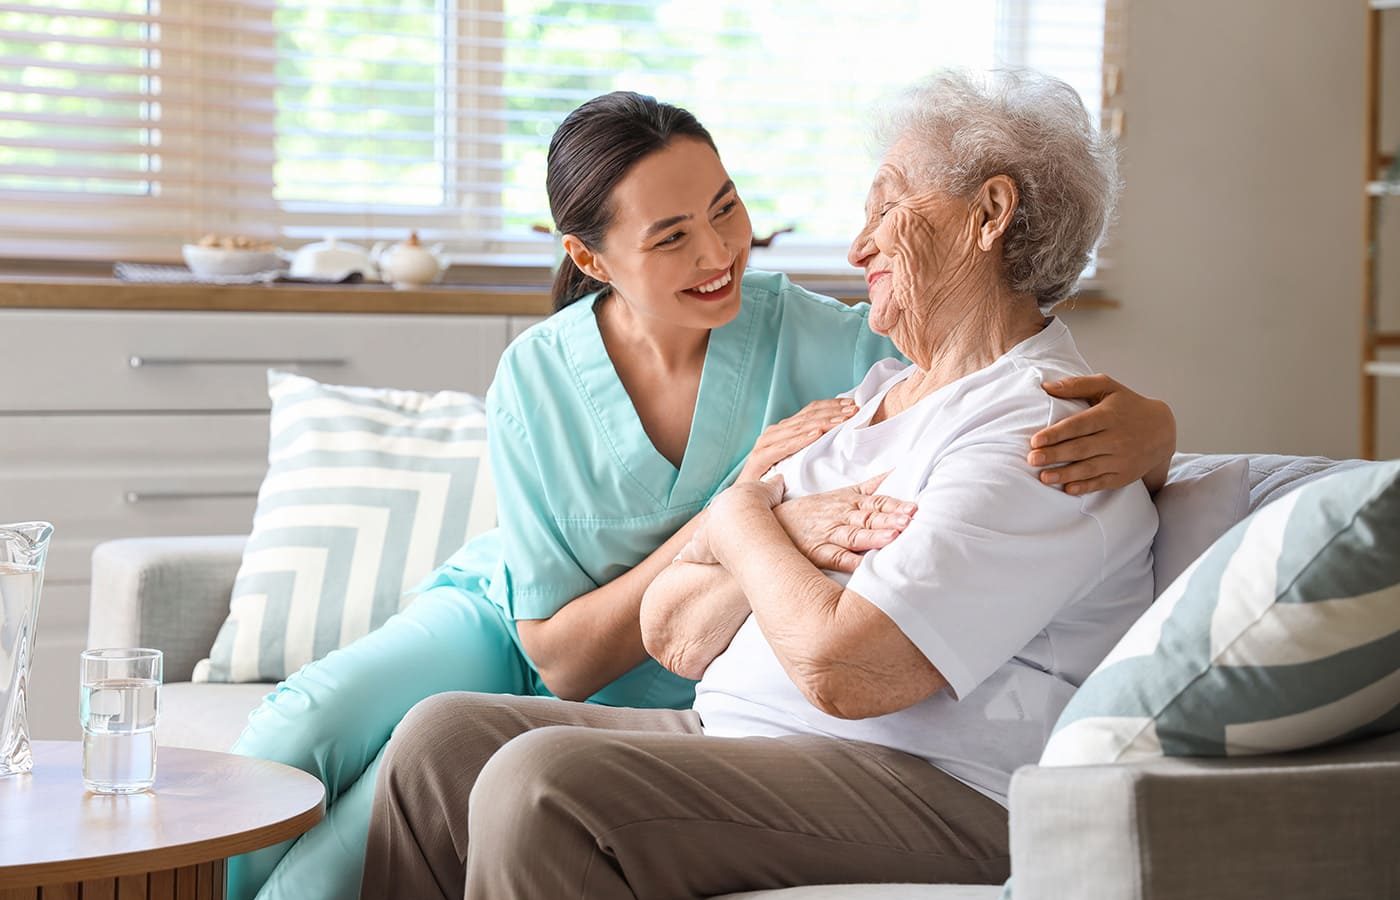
{"x": 170, "y": 593}
{"x": 1304, "y": 825}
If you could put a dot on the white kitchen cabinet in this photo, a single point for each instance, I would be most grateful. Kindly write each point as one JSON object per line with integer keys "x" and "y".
{"x": 128, "y": 424}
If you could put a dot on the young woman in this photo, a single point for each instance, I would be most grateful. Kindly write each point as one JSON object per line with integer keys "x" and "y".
{"x": 668, "y": 373}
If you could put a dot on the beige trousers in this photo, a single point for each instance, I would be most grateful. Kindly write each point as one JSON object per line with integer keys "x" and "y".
{"x": 530, "y": 798}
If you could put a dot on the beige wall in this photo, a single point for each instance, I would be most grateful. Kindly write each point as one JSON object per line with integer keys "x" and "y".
{"x": 1239, "y": 240}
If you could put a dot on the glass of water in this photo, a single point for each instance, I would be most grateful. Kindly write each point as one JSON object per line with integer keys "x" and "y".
{"x": 120, "y": 697}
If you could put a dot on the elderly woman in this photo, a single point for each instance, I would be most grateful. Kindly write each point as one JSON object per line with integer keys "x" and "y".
{"x": 858, "y": 716}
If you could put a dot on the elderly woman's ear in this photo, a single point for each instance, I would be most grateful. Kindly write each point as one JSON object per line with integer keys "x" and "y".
{"x": 996, "y": 207}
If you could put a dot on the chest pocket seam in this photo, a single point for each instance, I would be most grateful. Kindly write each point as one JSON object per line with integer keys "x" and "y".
{"x": 592, "y": 521}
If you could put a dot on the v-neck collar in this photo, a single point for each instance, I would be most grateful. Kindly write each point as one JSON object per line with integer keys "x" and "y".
{"x": 712, "y": 427}
{"x": 863, "y": 429}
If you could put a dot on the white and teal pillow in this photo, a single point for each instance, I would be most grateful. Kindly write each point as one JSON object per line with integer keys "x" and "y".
{"x": 1285, "y": 634}
{"x": 366, "y": 491}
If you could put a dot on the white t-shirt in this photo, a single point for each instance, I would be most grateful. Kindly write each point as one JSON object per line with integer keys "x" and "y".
{"x": 1013, "y": 590}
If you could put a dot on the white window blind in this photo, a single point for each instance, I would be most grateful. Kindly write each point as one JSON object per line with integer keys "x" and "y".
{"x": 128, "y": 127}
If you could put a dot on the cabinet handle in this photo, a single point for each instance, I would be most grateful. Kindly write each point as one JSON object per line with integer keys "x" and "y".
{"x": 141, "y": 362}
{"x": 134, "y": 497}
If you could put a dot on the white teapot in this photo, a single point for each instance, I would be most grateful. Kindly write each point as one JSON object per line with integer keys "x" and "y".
{"x": 409, "y": 265}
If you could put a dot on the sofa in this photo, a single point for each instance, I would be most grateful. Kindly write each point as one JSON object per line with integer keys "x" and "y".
{"x": 1317, "y": 824}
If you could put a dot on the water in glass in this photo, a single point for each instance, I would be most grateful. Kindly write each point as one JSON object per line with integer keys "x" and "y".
{"x": 119, "y": 700}
{"x": 119, "y": 735}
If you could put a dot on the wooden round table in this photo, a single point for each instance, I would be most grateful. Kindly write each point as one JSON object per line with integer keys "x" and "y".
{"x": 167, "y": 844}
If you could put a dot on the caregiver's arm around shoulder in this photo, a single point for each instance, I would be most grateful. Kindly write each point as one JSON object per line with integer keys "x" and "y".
{"x": 692, "y": 609}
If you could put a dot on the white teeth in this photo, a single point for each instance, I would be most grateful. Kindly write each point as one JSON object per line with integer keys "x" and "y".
{"x": 715, "y": 285}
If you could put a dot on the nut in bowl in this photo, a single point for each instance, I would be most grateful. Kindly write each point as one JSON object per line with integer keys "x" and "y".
{"x": 231, "y": 255}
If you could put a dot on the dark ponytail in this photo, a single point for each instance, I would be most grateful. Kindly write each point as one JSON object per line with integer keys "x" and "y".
{"x": 597, "y": 145}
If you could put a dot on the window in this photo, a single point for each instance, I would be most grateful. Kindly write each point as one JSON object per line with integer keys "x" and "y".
{"x": 130, "y": 126}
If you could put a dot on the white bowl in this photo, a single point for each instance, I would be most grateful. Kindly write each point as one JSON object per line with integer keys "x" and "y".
{"x": 221, "y": 261}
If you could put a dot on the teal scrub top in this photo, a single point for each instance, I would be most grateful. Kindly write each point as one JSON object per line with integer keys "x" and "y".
{"x": 582, "y": 493}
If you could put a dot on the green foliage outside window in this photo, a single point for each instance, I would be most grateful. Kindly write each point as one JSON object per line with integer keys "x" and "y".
{"x": 67, "y": 95}
{"x": 446, "y": 107}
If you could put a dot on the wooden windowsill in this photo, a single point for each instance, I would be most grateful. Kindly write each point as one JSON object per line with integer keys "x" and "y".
{"x": 81, "y": 292}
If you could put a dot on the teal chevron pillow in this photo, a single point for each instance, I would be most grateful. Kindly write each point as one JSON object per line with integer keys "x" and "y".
{"x": 1285, "y": 634}
{"x": 366, "y": 491}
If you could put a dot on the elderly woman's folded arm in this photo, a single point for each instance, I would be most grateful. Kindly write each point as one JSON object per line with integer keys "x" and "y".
{"x": 694, "y": 608}
{"x": 846, "y": 656}
{"x": 690, "y": 614}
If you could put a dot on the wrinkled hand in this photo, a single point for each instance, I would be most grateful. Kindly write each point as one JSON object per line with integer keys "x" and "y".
{"x": 834, "y": 528}
{"x": 782, "y": 439}
{"x": 1122, "y": 438}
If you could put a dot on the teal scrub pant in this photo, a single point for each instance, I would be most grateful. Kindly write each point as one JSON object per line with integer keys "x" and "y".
{"x": 333, "y": 717}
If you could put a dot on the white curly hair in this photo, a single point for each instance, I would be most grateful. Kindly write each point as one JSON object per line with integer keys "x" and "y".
{"x": 1035, "y": 130}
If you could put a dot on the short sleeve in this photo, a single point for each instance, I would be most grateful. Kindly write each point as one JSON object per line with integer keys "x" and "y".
{"x": 538, "y": 571}
{"x": 991, "y": 557}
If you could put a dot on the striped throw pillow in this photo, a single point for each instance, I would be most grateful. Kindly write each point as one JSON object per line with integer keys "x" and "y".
{"x": 366, "y": 491}
{"x": 1285, "y": 634}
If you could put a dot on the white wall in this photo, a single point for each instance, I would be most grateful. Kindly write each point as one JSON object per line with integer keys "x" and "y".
{"x": 1239, "y": 240}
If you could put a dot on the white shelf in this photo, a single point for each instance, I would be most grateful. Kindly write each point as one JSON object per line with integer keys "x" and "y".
{"x": 1384, "y": 188}
{"x": 1391, "y": 369}
{"x": 1385, "y": 4}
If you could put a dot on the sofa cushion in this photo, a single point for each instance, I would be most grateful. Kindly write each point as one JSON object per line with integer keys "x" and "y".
{"x": 366, "y": 491}
{"x": 205, "y": 716}
{"x": 1271, "y": 475}
{"x": 1203, "y": 498}
{"x": 1283, "y": 635}
{"x": 1206, "y": 494}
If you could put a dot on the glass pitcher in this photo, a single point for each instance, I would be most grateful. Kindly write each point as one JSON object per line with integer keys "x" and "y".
{"x": 22, "y": 551}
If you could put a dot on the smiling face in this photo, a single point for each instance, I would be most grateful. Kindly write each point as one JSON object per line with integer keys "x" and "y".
{"x": 679, "y": 239}
{"x": 936, "y": 233}
{"x": 888, "y": 188}
{"x": 930, "y": 258}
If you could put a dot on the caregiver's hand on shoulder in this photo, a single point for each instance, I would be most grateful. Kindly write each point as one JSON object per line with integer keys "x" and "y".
{"x": 1121, "y": 438}
{"x": 784, "y": 438}
{"x": 834, "y": 528}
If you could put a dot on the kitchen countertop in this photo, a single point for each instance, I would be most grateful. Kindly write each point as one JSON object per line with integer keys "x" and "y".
{"x": 79, "y": 292}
